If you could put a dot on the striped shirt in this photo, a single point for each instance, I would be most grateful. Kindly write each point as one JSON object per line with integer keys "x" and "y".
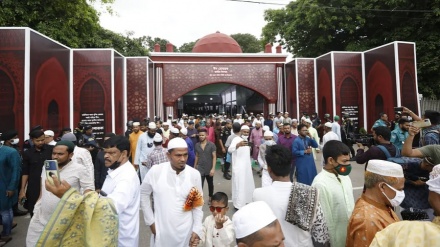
{"x": 157, "y": 156}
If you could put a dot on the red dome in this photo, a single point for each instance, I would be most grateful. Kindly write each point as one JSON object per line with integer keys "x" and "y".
{"x": 217, "y": 43}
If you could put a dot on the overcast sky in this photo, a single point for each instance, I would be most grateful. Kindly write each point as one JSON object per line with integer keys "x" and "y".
{"x": 182, "y": 21}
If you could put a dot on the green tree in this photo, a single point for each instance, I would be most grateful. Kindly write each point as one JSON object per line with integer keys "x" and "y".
{"x": 310, "y": 28}
{"x": 248, "y": 42}
{"x": 151, "y": 42}
{"x": 187, "y": 47}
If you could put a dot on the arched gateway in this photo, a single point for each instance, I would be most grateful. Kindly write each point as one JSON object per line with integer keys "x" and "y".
{"x": 217, "y": 58}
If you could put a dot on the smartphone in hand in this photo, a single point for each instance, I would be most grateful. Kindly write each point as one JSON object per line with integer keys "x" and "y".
{"x": 51, "y": 167}
{"x": 421, "y": 124}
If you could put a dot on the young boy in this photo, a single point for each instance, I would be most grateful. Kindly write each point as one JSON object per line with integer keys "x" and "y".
{"x": 218, "y": 229}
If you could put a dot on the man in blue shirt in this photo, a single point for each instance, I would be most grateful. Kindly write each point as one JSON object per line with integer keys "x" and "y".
{"x": 399, "y": 135}
{"x": 382, "y": 121}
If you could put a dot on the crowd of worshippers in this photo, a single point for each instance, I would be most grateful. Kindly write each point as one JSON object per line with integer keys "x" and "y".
{"x": 160, "y": 167}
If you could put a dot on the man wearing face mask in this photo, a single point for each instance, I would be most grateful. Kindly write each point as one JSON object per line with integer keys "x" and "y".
{"x": 143, "y": 149}
{"x": 384, "y": 182}
{"x": 268, "y": 141}
{"x": 335, "y": 190}
{"x": 242, "y": 178}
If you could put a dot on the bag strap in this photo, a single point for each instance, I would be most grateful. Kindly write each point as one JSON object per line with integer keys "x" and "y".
{"x": 383, "y": 149}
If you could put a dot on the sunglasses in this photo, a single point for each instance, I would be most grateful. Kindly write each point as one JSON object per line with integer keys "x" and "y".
{"x": 218, "y": 209}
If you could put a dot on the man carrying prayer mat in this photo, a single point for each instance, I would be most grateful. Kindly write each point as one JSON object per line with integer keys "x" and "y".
{"x": 256, "y": 225}
{"x": 384, "y": 182}
{"x": 177, "y": 198}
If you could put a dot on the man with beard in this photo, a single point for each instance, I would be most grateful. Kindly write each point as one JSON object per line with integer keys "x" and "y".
{"x": 255, "y": 139}
{"x": 302, "y": 150}
{"x": 70, "y": 171}
{"x": 166, "y": 131}
{"x": 268, "y": 141}
{"x": 242, "y": 177}
{"x": 170, "y": 184}
{"x": 399, "y": 134}
{"x": 143, "y": 149}
{"x": 192, "y": 132}
{"x": 33, "y": 160}
{"x": 206, "y": 160}
{"x": 286, "y": 140}
{"x": 133, "y": 138}
{"x": 294, "y": 128}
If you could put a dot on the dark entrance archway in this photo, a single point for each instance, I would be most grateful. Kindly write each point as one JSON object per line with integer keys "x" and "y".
{"x": 221, "y": 97}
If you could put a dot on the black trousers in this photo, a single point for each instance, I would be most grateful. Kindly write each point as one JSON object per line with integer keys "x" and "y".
{"x": 210, "y": 181}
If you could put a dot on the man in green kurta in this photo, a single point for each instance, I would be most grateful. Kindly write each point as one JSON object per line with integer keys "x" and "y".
{"x": 10, "y": 162}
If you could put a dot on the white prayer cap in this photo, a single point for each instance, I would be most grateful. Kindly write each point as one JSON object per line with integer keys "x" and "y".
{"x": 174, "y": 130}
{"x": 286, "y": 113}
{"x": 170, "y": 115}
{"x": 434, "y": 180}
{"x": 249, "y": 118}
{"x": 268, "y": 133}
{"x": 303, "y": 118}
{"x": 157, "y": 138}
{"x": 385, "y": 168}
{"x": 166, "y": 123}
{"x": 136, "y": 124}
{"x": 308, "y": 121}
{"x": 251, "y": 218}
{"x": 49, "y": 133}
{"x": 177, "y": 143}
{"x": 266, "y": 128}
{"x": 184, "y": 131}
{"x": 244, "y": 127}
{"x": 328, "y": 124}
{"x": 258, "y": 122}
{"x": 152, "y": 126}
{"x": 294, "y": 120}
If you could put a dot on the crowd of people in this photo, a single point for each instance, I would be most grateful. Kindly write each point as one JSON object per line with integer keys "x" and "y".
{"x": 160, "y": 167}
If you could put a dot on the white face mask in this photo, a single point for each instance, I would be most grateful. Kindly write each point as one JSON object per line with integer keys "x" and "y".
{"x": 398, "y": 199}
{"x": 270, "y": 142}
{"x": 15, "y": 141}
{"x": 244, "y": 137}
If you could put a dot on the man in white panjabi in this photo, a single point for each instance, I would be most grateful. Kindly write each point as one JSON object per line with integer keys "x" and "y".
{"x": 171, "y": 183}
{"x": 314, "y": 133}
{"x": 266, "y": 180}
{"x": 328, "y": 136}
{"x": 242, "y": 177}
{"x": 143, "y": 149}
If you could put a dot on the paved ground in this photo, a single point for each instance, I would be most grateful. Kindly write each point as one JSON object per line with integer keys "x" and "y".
{"x": 220, "y": 184}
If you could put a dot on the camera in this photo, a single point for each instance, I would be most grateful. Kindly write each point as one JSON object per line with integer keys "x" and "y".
{"x": 366, "y": 140}
{"x": 398, "y": 109}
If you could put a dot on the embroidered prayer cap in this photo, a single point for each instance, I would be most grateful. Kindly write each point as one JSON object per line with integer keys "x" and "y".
{"x": 174, "y": 130}
{"x": 294, "y": 120}
{"x": 244, "y": 127}
{"x": 268, "y": 133}
{"x": 328, "y": 124}
{"x": 251, "y": 218}
{"x": 49, "y": 133}
{"x": 68, "y": 144}
{"x": 136, "y": 124}
{"x": 157, "y": 138}
{"x": 266, "y": 128}
{"x": 385, "y": 168}
{"x": 152, "y": 126}
{"x": 166, "y": 123}
{"x": 434, "y": 179}
{"x": 177, "y": 143}
{"x": 184, "y": 131}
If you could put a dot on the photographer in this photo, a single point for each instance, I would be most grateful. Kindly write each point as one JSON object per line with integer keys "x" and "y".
{"x": 381, "y": 136}
{"x": 347, "y": 133}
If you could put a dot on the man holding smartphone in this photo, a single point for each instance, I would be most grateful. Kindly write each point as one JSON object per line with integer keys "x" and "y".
{"x": 70, "y": 171}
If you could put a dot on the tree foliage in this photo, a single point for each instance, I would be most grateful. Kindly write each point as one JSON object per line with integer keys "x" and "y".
{"x": 151, "y": 42}
{"x": 187, "y": 47}
{"x": 73, "y": 23}
{"x": 310, "y": 28}
{"x": 248, "y": 42}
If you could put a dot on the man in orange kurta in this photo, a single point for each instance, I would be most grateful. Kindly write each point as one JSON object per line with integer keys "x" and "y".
{"x": 384, "y": 182}
{"x": 133, "y": 138}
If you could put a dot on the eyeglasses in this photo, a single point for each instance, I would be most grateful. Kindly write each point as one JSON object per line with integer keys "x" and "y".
{"x": 218, "y": 209}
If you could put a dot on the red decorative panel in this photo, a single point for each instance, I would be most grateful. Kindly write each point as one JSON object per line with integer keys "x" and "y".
{"x": 348, "y": 85}
{"x": 93, "y": 65}
{"x": 306, "y": 85}
{"x": 324, "y": 72}
{"x": 12, "y": 80}
{"x": 407, "y": 72}
{"x": 119, "y": 93}
{"x": 292, "y": 105}
{"x": 137, "y": 88}
{"x": 152, "y": 89}
{"x": 179, "y": 79}
{"x": 380, "y": 73}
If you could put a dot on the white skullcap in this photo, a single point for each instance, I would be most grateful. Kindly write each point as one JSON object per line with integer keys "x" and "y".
{"x": 268, "y": 133}
{"x": 136, "y": 124}
{"x": 249, "y": 118}
{"x": 294, "y": 120}
{"x": 308, "y": 121}
{"x": 174, "y": 130}
{"x": 184, "y": 131}
{"x": 286, "y": 113}
{"x": 166, "y": 123}
{"x": 258, "y": 122}
{"x": 385, "y": 168}
{"x": 49, "y": 133}
{"x": 251, "y": 218}
{"x": 303, "y": 118}
{"x": 170, "y": 115}
{"x": 328, "y": 124}
{"x": 157, "y": 138}
{"x": 434, "y": 180}
{"x": 177, "y": 143}
{"x": 266, "y": 128}
{"x": 152, "y": 125}
{"x": 244, "y": 127}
